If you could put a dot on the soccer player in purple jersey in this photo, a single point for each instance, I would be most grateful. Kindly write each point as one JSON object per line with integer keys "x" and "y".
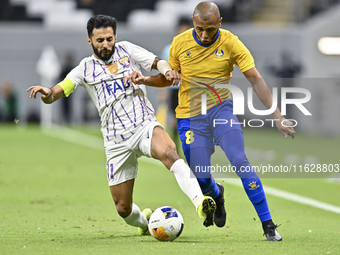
{"x": 128, "y": 124}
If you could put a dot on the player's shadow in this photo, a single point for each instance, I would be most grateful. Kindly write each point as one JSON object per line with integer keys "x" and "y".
{"x": 183, "y": 240}
{"x": 148, "y": 239}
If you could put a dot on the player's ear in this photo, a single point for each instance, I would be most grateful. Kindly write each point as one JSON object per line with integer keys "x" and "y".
{"x": 219, "y": 25}
{"x": 89, "y": 41}
{"x": 193, "y": 21}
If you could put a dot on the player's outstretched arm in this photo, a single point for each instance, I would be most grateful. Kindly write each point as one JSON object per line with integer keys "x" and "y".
{"x": 263, "y": 92}
{"x": 172, "y": 76}
{"x": 167, "y": 76}
{"x": 48, "y": 95}
{"x": 154, "y": 81}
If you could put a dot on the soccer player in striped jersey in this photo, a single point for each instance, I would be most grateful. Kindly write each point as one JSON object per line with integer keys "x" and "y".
{"x": 207, "y": 55}
{"x": 128, "y": 124}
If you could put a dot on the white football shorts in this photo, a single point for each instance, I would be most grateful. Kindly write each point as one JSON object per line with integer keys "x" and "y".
{"x": 122, "y": 158}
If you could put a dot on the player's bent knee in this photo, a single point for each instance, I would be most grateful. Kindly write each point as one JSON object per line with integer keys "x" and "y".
{"x": 168, "y": 155}
{"x": 123, "y": 209}
{"x": 171, "y": 153}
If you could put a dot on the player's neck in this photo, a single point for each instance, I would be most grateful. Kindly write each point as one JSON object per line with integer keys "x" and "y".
{"x": 107, "y": 62}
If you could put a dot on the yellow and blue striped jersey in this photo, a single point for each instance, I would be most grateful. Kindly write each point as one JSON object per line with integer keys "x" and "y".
{"x": 205, "y": 64}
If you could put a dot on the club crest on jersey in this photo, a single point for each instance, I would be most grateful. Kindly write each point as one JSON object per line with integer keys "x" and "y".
{"x": 124, "y": 61}
{"x": 113, "y": 68}
{"x": 188, "y": 55}
{"x": 219, "y": 52}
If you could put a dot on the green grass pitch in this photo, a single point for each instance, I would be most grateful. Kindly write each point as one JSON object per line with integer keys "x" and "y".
{"x": 54, "y": 199}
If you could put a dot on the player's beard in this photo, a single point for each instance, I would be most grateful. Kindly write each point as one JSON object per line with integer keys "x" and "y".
{"x": 100, "y": 54}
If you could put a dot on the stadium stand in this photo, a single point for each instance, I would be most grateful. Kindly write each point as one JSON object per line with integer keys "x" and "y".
{"x": 52, "y": 13}
{"x": 282, "y": 12}
{"x": 15, "y": 12}
{"x": 158, "y": 13}
{"x": 119, "y": 9}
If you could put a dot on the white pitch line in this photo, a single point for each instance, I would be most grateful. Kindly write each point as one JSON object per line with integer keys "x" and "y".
{"x": 80, "y": 138}
{"x": 301, "y": 199}
{"x": 290, "y": 196}
{"x": 74, "y": 136}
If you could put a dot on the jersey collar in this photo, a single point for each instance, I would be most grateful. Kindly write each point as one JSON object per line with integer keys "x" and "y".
{"x": 205, "y": 45}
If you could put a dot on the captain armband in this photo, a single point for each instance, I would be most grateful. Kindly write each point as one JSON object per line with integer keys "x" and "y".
{"x": 67, "y": 86}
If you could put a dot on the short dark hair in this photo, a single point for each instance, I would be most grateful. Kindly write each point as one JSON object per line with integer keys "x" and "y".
{"x": 99, "y": 21}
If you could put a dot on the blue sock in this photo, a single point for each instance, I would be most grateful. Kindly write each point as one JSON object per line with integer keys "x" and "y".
{"x": 232, "y": 143}
{"x": 255, "y": 192}
{"x": 204, "y": 178}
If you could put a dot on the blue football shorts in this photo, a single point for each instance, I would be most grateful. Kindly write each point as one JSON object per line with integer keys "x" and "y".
{"x": 207, "y": 130}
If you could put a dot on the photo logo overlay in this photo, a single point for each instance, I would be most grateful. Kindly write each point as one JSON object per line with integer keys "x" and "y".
{"x": 204, "y": 96}
{"x": 216, "y": 107}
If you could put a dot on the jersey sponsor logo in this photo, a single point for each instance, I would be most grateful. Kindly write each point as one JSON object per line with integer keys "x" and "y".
{"x": 117, "y": 85}
{"x": 113, "y": 68}
{"x": 219, "y": 52}
{"x": 253, "y": 185}
{"x": 188, "y": 55}
{"x": 124, "y": 61}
